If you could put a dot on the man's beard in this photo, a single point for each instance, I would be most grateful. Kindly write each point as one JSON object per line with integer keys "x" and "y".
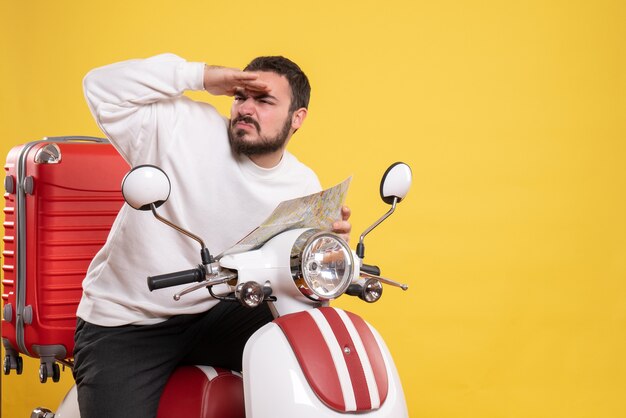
{"x": 263, "y": 145}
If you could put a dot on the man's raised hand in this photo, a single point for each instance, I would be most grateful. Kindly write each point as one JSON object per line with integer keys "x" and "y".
{"x": 226, "y": 81}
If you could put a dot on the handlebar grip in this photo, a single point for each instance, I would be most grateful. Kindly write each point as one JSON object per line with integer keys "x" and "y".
{"x": 354, "y": 289}
{"x": 367, "y": 268}
{"x": 177, "y": 278}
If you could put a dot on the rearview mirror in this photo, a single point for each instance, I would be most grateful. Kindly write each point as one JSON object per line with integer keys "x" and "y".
{"x": 395, "y": 183}
{"x": 394, "y": 186}
{"x": 144, "y": 186}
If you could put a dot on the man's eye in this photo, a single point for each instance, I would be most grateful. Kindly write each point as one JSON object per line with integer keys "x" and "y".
{"x": 239, "y": 97}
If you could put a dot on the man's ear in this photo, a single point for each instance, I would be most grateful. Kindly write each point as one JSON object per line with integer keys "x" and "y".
{"x": 298, "y": 117}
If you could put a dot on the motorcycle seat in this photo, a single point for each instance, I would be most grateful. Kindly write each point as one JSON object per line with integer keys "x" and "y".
{"x": 202, "y": 392}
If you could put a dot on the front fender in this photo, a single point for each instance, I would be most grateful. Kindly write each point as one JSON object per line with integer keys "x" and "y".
{"x": 276, "y": 383}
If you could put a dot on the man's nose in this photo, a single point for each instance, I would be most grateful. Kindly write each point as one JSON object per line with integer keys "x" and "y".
{"x": 246, "y": 107}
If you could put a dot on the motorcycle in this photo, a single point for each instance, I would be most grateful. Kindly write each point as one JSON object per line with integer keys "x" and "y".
{"x": 313, "y": 360}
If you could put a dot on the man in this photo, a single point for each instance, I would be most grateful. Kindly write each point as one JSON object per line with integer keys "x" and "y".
{"x": 227, "y": 176}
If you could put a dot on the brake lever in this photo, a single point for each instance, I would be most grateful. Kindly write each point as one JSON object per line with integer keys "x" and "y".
{"x": 219, "y": 278}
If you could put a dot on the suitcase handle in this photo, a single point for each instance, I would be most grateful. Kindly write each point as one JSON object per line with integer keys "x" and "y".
{"x": 75, "y": 138}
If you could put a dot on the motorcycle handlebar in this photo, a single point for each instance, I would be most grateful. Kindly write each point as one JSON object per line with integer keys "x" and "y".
{"x": 177, "y": 278}
{"x": 369, "y": 269}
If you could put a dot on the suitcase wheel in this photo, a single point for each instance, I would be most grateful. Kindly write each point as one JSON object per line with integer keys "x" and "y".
{"x": 43, "y": 373}
{"x": 56, "y": 373}
{"x": 47, "y": 369}
{"x": 10, "y": 363}
{"x": 6, "y": 365}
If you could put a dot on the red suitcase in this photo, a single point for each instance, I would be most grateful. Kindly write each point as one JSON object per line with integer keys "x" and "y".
{"x": 61, "y": 197}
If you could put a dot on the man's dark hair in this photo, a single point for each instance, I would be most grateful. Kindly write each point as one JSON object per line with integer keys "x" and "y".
{"x": 299, "y": 83}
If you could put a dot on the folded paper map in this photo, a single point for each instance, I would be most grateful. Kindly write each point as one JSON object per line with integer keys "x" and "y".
{"x": 318, "y": 210}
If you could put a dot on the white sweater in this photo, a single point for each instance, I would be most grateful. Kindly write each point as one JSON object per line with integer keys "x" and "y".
{"x": 217, "y": 195}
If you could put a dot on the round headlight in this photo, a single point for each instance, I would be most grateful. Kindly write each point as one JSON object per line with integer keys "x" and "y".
{"x": 325, "y": 267}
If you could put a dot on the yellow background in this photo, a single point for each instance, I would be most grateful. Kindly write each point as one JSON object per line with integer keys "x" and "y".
{"x": 512, "y": 115}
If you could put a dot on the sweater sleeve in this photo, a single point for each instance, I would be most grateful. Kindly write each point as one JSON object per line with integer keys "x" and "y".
{"x": 132, "y": 100}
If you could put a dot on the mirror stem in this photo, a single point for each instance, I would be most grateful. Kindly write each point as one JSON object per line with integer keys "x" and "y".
{"x": 207, "y": 259}
{"x": 360, "y": 248}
